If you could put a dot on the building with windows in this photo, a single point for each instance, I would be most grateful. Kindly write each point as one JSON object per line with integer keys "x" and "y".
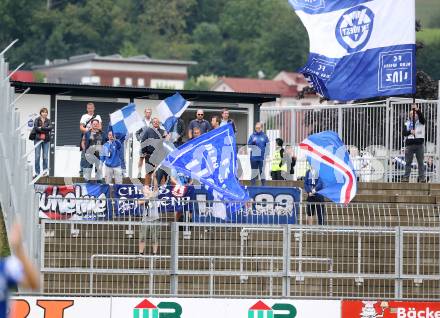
{"x": 115, "y": 70}
{"x": 285, "y": 84}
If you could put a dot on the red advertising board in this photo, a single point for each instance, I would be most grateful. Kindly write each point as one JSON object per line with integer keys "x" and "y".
{"x": 390, "y": 309}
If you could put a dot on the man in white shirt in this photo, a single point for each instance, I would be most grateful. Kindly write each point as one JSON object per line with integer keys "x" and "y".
{"x": 85, "y": 124}
{"x": 139, "y": 134}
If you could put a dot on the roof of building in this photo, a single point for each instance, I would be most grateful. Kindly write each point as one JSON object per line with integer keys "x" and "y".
{"x": 296, "y": 76}
{"x": 23, "y": 76}
{"x": 140, "y": 93}
{"x": 115, "y": 58}
{"x": 253, "y": 85}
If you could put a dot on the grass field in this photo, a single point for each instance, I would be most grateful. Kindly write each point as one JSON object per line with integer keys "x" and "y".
{"x": 425, "y": 9}
{"x": 429, "y": 35}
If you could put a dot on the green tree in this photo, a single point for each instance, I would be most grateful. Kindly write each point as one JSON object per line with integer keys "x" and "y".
{"x": 428, "y": 59}
{"x": 208, "y": 50}
{"x": 161, "y": 28}
{"x": 16, "y": 22}
{"x": 284, "y": 45}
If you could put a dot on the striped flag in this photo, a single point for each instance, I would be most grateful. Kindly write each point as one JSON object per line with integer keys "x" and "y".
{"x": 327, "y": 154}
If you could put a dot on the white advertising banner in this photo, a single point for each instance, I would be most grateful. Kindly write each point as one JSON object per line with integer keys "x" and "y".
{"x": 223, "y": 308}
{"x": 138, "y": 307}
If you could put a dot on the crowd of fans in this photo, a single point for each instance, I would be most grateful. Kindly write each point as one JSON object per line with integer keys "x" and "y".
{"x": 104, "y": 152}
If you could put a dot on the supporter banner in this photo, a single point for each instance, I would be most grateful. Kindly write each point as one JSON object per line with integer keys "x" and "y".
{"x": 271, "y": 205}
{"x": 388, "y": 309}
{"x": 172, "y": 198}
{"x": 127, "y": 307}
{"x": 77, "y": 202}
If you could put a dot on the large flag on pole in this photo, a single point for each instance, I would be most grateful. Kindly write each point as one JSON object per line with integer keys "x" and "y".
{"x": 125, "y": 120}
{"x": 170, "y": 109}
{"x": 359, "y": 48}
{"x": 327, "y": 154}
{"x": 212, "y": 160}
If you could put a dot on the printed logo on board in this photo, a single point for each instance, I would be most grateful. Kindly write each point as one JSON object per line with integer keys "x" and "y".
{"x": 147, "y": 309}
{"x": 354, "y": 28}
{"x": 395, "y": 70}
{"x": 390, "y": 309}
{"x": 278, "y": 310}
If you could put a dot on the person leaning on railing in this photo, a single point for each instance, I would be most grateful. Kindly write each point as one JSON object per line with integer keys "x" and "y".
{"x": 92, "y": 144}
{"x": 85, "y": 125}
{"x": 43, "y": 128}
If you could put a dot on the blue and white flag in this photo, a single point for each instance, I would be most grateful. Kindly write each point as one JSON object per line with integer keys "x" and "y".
{"x": 327, "y": 154}
{"x": 359, "y": 48}
{"x": 125, "y": 120}
{"x": 212, "y": 160}
{"x": 170, "y": 109}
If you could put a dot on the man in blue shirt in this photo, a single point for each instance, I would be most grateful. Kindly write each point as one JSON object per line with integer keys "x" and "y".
{"x": 200, "y": 123}
{"x": 16, "y": 270}
{"x": 111, "y": 156}
{"x": 258, "y": 142}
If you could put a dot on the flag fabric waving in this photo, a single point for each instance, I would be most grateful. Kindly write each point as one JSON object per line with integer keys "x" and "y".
{"x": 212, "y": 160}
{"x": 328, "y": 155}
{"x": 125, "y": 120}
{"x": 170, "y": 109}
{"x": 359, "y": 48}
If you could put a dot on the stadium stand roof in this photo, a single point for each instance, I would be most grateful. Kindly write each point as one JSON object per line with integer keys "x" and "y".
{"x": 140, "y": 93}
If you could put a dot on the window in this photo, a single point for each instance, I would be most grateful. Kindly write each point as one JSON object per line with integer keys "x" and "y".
{"x": 141, "y": 82}
{"x": 91, "y": 80}
{"x": 163, "y": 83}
{"x": 95, "y": 80}
{"x": 116, "y": 81}
{"x": 128, "y": 81}
{"x": 85, "y": 80}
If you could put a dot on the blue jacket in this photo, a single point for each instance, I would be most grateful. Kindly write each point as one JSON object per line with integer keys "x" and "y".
{"x": 312, "y": 183}
{"x": 260, "y": 140}
{"x": 111, "y": 153}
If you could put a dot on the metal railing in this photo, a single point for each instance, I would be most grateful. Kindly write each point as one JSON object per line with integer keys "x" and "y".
{"x": 372, "y": 132}
{"x": 15, "y": 172}
{"x": 397, "y": 211}
{"x": 364, "y": 250}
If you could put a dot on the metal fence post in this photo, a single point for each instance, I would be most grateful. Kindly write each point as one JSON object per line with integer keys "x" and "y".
{"x": 340, "y": 122}
{"x": 437, "y": 150}
{"x": 388, "y": 144}
{"x": 293, "y": 128}
{"x": 286, "y": 260}
{"x": 398, "y": 263}
{"x": 174, "y": 261}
